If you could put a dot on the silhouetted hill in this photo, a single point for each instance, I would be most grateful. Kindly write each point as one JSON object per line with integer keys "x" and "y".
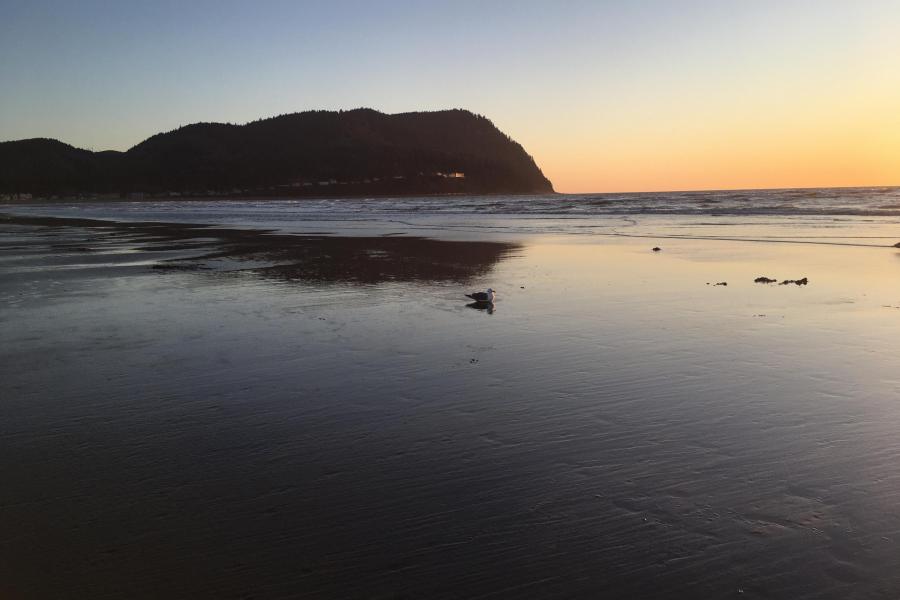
{"x": 311, "y": 153}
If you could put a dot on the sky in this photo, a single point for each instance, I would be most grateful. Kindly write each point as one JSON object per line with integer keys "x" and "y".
{"x": 632, "y": 95}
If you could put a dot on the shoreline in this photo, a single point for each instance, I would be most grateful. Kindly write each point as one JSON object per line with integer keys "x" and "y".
{"x": 268, "y": 197}
{"x": 118, "y": 198}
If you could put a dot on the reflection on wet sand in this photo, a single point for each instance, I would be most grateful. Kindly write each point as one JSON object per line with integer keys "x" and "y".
{"x": 314, "y": 258}
{"x": 234, "y": 424}
{"x": 486, "y": 306}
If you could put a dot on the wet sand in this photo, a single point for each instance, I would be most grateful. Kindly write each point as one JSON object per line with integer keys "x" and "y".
{"x": 197, "y": 411}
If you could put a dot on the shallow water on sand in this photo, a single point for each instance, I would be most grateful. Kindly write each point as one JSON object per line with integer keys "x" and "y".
{"x": 614, "y": 427}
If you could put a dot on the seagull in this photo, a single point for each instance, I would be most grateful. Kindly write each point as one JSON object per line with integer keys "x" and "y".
{"x": 487, "y": 296}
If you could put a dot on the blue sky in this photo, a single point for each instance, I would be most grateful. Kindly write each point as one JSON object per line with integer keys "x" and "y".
{"x": 567, "y": 79}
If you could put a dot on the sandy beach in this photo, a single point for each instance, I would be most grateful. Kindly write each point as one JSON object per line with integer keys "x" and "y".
{"x": 193, "y": 411}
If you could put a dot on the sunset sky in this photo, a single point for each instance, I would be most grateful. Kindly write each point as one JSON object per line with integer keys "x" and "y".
{"x": 607, "y": 96}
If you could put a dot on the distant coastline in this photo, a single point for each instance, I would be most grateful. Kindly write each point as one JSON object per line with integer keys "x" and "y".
{"x": 11, "y": 200}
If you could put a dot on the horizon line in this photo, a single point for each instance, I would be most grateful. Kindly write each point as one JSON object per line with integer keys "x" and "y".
{"x": 736, "y": 189}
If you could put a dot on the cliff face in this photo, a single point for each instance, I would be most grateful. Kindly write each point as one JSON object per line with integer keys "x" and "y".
{"x": 312, "y": 153}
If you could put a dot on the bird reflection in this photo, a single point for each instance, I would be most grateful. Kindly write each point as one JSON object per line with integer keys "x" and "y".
{"x": 488, "y": 306}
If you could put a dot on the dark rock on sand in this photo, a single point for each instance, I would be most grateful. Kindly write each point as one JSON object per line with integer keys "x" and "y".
{"x": 803, "y": 281}
{"x": 657, "y": 249}
{"x": 897, "y": 245}
{"x": 721, "y": 283}
{"x": 765, "y": 280}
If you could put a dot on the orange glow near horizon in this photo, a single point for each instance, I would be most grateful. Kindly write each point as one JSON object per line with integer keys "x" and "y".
{"x": 767, "y": 107}
{"x": 837, "y": 141}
